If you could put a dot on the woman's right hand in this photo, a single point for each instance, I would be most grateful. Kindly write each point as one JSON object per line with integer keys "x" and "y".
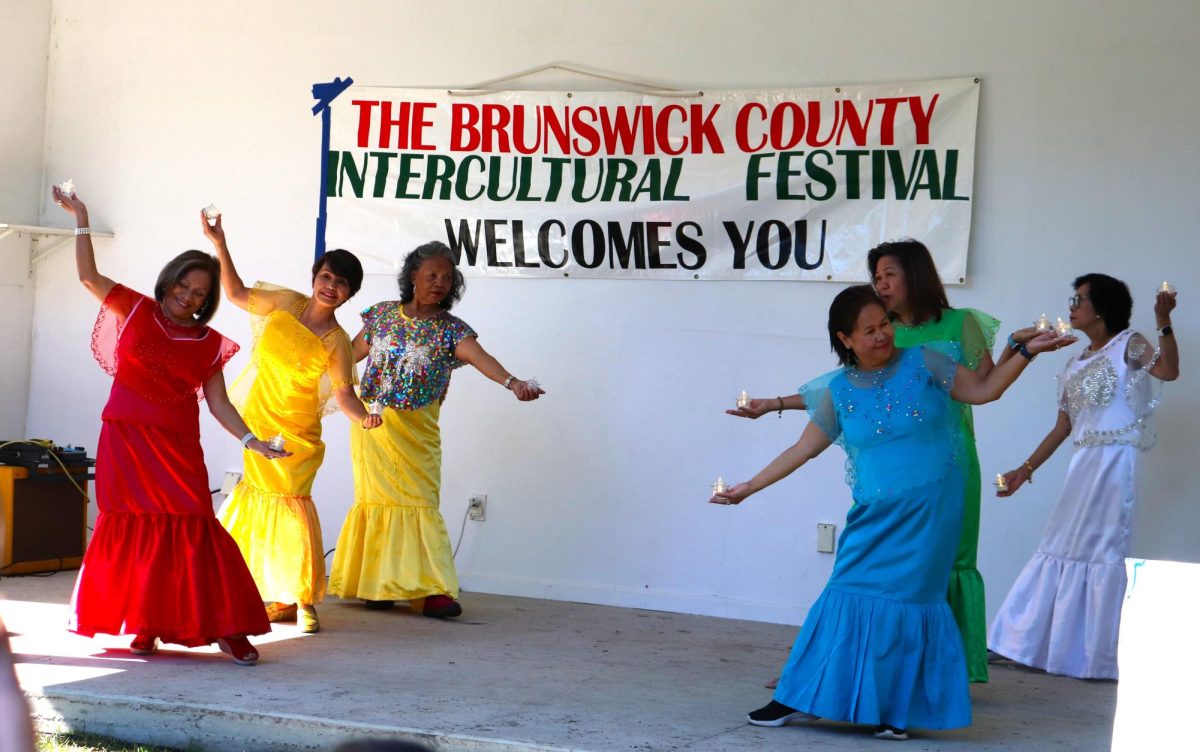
{"x": 755, "y": 410}
{"x": 263, "y": 448}
{"x": 373, "y": 420}
{"x": 70, "y": 204}
{"x": 525, "y": 392}
{"x": 1014, "y": 479}
{"x": 735, "y": 494}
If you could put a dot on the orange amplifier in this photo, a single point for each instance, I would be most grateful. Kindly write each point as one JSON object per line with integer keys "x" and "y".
{"x": 43, "y": 519}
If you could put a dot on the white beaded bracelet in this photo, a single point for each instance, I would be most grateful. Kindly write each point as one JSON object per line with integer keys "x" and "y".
{"x": 83, "y": 231}
{"x": 248, "y": 438}
{"x": 508, "y": 382}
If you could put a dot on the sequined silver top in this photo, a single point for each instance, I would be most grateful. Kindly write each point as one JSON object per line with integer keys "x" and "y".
{"x": 1110, "y": 395}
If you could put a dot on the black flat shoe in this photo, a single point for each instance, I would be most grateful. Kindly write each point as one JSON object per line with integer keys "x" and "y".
{"x": 778, "y": 714}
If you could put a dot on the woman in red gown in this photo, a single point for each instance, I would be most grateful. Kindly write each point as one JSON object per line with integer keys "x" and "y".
{"x": 159, "y": 565}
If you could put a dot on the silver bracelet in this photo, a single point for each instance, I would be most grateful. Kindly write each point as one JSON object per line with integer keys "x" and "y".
{"x": 248, "y": 438}
{"x": 509, "y": 381}
{"x": 83, "y": 231}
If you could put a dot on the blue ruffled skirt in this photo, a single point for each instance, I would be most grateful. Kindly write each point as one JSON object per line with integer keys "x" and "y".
{"x": 880, "y": 645}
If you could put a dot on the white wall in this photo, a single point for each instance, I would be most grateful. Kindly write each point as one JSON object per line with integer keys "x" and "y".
{"x": 596, "y": 493}
{"x": 24, "y": 41}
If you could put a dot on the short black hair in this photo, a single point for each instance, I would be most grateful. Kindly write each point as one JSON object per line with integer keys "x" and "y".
{"x": 926, "y": 296}
{"x": 843, "y": 317}
{"x": 344, "y": 264}
{"x": 1110, "y": 298}
{"x": 179, "y": 267}
{"x": 418, "y": 256}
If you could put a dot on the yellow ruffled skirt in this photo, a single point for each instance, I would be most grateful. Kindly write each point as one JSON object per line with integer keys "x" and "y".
{"x": 394, "y": 544}
{"x": 274, "y": 521}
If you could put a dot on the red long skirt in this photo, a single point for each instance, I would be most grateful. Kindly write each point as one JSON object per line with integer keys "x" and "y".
{"x": 159, "y": 563}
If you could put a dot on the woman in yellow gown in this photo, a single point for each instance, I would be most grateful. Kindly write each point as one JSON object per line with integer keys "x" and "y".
{"x": 394, "y": 545}
{"x": 301, "y": 359}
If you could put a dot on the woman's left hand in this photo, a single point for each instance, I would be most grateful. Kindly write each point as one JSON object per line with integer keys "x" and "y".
{"x": 1047, "y": 341}
{"x": 733, "y": 495}
{"x": 525, "y": 392}
{"x": 263, "y": 448}
{"x": 372, "y": 421}
{"x": 1164, "y": 303}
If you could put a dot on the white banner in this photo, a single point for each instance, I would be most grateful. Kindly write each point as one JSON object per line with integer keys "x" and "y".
{"x": 791, "y": 184}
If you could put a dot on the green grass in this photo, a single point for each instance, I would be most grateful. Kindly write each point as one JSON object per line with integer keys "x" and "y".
{"x": 90, "y": 743}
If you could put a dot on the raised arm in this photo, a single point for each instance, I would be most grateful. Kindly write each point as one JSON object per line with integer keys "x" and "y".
{"x": 973, "y": 389}
{"x": 1014, "y": 479}
{"x": 227, "y": 415}
{"x": 85, "y": 256}
{"x": 811, "y": 443}
{"x": 1167, "y": 367}
{"x": 470, "y": 351}
{"x": 231, "y": 283}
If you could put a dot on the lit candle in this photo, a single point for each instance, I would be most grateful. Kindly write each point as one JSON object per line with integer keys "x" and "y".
{"x": 276, "y": 443}
{"x": 1166, "y": 287}
{"x": 67, "y": 187}
{"x": 211, "y": 212}
{"x": 1001, "y": 484}
{"x": 1042, "y": 324}
{"x": 743, "y": 400}
{"x": 719, "y": 487}
{"x": 1063, "y": 327}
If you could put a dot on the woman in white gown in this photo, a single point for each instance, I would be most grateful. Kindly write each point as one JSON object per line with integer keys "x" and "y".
{"x": 1063, "y": 612}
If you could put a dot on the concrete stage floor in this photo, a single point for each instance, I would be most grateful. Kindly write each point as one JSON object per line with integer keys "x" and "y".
{"x": 511, "y": 673}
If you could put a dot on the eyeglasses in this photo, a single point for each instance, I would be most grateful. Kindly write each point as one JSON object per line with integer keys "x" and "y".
{"x": 1075, "y": 300}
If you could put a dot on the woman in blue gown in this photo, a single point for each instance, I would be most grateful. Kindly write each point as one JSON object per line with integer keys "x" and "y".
{"x": 880, "y": 645}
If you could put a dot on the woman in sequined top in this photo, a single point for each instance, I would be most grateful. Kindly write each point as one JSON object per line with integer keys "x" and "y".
{"x": 394, "y": 545}
{"x": 880, "y": 645}
{"x": 1063, "y": 612}
{"x": 301, "y": 366}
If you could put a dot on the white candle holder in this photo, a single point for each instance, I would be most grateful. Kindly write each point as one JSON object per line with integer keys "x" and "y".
{"x": 211, "y": 212}
{"x": 277, "y": 442}
{"x": 375, "y": 408}
{"x": 1042, "y": 325}
{"x": 1063, "y": 327}
{"x": 67, "y": 188}
{"x": 533, "y": 383}
{"x": 1001, "y": 484}
{"x": 743, "y": 400}
{"x": 719, "y": 487}
{"x": 1166, "y": 287}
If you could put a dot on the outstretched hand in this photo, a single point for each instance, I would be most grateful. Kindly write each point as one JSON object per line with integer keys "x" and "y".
{"x": 1047, "y": 341}
{"x": 263, "y": 448}
{"x": 755, "y": 410}
{"x": 1013, "y": 480}
{"x": 525, "y": 392}
{"x": 733, "y": 495}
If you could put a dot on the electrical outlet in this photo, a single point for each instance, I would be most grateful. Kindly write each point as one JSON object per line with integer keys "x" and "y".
{"x": 232, "y": 478}
{"x": 477, "y": 508}
{"x": 825, "y": 535}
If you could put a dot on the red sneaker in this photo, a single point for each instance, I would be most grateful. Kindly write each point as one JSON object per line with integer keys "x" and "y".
{"x": 441, "y": 607}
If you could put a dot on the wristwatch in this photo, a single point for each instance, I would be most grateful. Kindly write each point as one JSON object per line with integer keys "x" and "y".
{"x": 1166, "y": 331}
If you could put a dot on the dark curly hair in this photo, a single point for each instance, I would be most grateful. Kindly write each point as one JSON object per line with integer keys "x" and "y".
{"x": 344, "y": 264}
{"x": 926, "y": 296}
{"x": 1110, "y": 298}
{"x": 178, "y": 267}
{"x": 843, "y": 317}
{"x": 418, "y": 256}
